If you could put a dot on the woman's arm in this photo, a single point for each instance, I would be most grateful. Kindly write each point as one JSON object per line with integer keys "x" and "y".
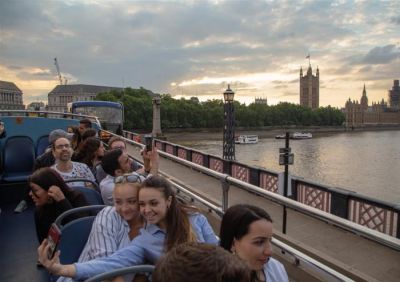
{"x": 53, "y": 265}
{"x": 205, "y": 228}
{"x": 133, "y": 254}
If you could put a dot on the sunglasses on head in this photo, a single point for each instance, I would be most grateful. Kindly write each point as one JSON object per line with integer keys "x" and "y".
{"x": 130, "y": 178}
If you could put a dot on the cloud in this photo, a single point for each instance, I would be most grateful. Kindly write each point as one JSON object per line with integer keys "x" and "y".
{"x": 382, "y": 55}
{"x": 395, "y": 20}
{"x": 259, "y": 45}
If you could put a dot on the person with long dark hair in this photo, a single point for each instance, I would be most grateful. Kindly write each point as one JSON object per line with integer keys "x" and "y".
{"x": 51, "y": 196}
{"x": 90, "y": 153}
{"x": 246, "y": 231}
{"x": 169, "y": 223}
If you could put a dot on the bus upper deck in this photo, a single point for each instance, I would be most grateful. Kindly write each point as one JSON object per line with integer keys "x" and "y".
{"x": 17, "y": 235}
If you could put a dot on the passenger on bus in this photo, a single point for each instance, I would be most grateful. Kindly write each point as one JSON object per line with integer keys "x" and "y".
{"x": 169, "y": 223}
{"x": 90, "y": 132}
{"x": 44, "y": 160}
{"x": 117, "y": 142}
{"x": 52, "y": 197}
{"x": 199, "y": 262}
{"x": 68, "y": 169}
{"x": 246, "y": 231}
{"x": 76, "y": 136}
{"x": 84, "y": 124}
{"x": 90, "y": 153}
{"x": 117, "y": 162}
{"x": 114, "y": 227}
{"x": 47, "y": 158}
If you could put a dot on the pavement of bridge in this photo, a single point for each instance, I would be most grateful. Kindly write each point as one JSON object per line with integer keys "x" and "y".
{"x": 358, "y": 253}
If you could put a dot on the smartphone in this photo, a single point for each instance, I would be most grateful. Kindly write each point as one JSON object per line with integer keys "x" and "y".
{"x": 149, "y": 142}
{"x": 53, "y": 238}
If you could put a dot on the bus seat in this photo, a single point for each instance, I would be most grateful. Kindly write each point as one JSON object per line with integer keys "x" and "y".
{"x": 18, "y": 159}
{"x": 42, "y": 144}
{"x": 75, "y": 233}
{"x": 82, "y": 182}
{"x": 74, "y": 236}
{"x": 92, "y": 196}
{"x": 122, "y": 271}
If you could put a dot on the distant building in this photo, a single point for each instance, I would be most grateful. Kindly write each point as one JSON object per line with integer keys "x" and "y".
{"x": 394, "y": 96}
{"x": 359, "y": 114}
{"x": 309, "y": 89}
{"x": 262, "y": 101}
{"x": 36, "y": 106}
{"x": 10, "y": 96}
{"x": 61, "y": 95}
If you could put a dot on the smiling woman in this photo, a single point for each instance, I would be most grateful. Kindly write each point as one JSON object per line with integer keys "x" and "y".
{"x": 52, "y": 197}
{"x": 114, "y": 227}
{"x": 246, "y": 231}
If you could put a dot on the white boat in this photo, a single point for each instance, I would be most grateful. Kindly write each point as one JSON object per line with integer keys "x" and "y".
{"x": 301, "y": 135}
{"x": 280, "y": 136}
{"x": 246, "y": 139}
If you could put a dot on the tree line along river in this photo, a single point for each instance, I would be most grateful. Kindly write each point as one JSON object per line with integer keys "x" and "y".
{"x": 365, "y": 162}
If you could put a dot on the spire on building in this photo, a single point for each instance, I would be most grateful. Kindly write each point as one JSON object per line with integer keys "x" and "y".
{"x": 364, "y": 99}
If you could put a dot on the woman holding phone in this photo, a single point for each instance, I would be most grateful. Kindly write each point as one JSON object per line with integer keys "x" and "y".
{"x": 114, "y": 226}
{"x": 169, "y": 223}
{"x": 51, "y": 196}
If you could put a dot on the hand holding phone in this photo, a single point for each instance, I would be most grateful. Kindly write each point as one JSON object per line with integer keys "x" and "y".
{"x": 149, "y": 142}
{"x": 53, "y": 239}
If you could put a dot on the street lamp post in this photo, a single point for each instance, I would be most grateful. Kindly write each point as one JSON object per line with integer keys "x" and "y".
{"x": 229, "y": 125}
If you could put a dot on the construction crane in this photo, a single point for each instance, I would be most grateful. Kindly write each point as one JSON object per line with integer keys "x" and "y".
{"x": 59, "y": 74}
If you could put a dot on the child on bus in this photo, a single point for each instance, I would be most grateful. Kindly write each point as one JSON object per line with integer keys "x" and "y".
{"x": 169, "y": 223}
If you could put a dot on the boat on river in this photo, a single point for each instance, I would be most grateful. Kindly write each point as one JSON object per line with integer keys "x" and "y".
{"x": 246, "y": 139}
{"x": 280, "y": 136}
{"x": 301, "y": 135}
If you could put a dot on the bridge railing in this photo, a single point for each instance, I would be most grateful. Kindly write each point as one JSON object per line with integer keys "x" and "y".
{"x": 377, "y": 215}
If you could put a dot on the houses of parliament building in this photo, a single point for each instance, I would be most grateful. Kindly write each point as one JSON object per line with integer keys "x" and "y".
{"x": 361, "y": 114}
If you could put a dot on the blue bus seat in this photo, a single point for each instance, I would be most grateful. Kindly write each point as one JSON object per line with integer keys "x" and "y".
{"x": 75, "y": 233}
{"x": 122, "y": 271}
{"x": 1, "y": 163}
{"x": 74, "y": 236}
{"x": 92, "y": 196}
{"x": 83, "y": 182}
{"x": 18, "y": 159}
{"x": 42, "y": 144}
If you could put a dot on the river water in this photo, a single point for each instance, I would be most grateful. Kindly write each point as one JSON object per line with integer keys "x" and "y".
{"x": 365, "y": 162}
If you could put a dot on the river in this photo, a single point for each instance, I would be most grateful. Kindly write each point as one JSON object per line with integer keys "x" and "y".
{"x": 365, "y": 162}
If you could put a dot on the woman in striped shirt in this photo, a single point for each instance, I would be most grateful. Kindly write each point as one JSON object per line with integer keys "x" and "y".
{"x": 114, "y": 226}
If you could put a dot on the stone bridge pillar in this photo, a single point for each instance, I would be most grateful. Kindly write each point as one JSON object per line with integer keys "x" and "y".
{"x": 156, "y": 117}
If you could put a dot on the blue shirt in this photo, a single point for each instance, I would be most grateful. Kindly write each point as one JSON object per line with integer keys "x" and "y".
{"x": 148, "y": 246}
{"x": 275, "y": 272}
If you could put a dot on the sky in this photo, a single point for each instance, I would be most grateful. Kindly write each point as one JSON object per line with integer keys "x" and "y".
{"x": 195, "y": 48}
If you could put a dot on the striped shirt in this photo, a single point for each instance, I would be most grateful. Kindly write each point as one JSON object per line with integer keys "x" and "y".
{"x": 110, "y": 232}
